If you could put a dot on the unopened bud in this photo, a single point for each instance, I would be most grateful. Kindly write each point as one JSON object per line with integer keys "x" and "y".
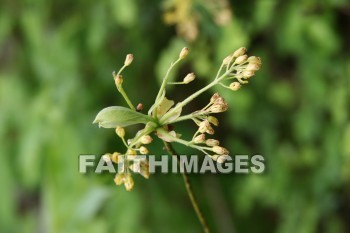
{"x": 128, "y": 182}
{"x": 116, "y": 157}
{"x": 204, "y": 126}
{"x": 248, "y": 73}
{"x": 241, "y": 59}
{"x": 213, "y": 120}
{"x": 128, "y": 60}
{"x": 144, "y": 150}
{"x": 214, "y": 97}
{"x": 212, "y": 142}
{"x": 199, "y": 139}
{"x": 120, "y": 131}
{"x": 235, "y": 86}
{"x": 227, "y": 60}
{"x": 118, "y": 80}
{"x": 146, "y": 139}
{"x": 222, "y": 158}
{"x": 119, "y": 178}
{"x": 239, "y": 52}
{"x": 107, "y": 157}
{"x": 253, "y": 66}
{"x": 184, "y": 52}
{"x": 220, "y": 150}
{"x": 139, "y": 107}
{"x": 189, "y": 78}
{"x": 254, "y": 59}
{"x": 217, "y": 108}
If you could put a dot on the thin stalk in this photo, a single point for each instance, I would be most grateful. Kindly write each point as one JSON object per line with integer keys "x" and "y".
{"x": 122, "y": 92}
{"x": 189, "y": 190}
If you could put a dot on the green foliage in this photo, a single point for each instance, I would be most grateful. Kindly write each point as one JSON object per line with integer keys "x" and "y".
{"x": 55, "y": 63}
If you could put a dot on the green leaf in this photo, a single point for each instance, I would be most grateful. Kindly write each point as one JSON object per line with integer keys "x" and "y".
{"x": 114, "y": 116}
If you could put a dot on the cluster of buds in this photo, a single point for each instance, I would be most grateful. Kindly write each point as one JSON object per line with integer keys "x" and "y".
{"x": 165, "y": 112}
{"x": 241, "y": 66}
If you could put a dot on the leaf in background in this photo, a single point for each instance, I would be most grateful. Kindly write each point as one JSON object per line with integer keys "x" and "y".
{"x": 114, "y": 116}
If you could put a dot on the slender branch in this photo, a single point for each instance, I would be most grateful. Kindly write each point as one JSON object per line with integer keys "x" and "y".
{"x": 189, "y": 190}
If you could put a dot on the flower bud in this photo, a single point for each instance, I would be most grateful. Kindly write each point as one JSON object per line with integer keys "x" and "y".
{"x": 248, "y": 73}
{"x": 120, "y": 131}
{"x": 252, "y": 66}
{"x": 235, "y": 86}
{"x": 213, "y": 120}
{"x": 241, "y": 59}
{"x": 227, "y": 60}
{"x": 217, "y": 108}
{"x": 220, "y": 150}
{"x": 199, "y": 139}
{"x": 118, "y": 80}
{"x": 212, "y": 142}
{"x": 144, "y": 169}
{"x": 144, "y": 150}
{"x": 222, "y": 158}
{"x": 129, "y": 58}
{"x": 119, "y": 178}
{"x": 146, "y": 139}
{"x": 214, "y": 97}
{"x": 116, "y": 157}
{"x": 204, "y": 126}
{"x": 184, "y": 52}
{"x": 239, "y": 52}
{"x": 189, "y": 78}
{"x": 107, "y": 157}
{"x": 128, "y": 182}
{"x": 139, "y": 107}
{"x": 254, "y": 59}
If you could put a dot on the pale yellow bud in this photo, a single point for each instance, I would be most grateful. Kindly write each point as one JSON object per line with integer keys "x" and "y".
{"x": 129, "y": 58}
{"x": 220, "y": 150}
{"x": 107, "y": 157}
{"x": 204, "y": 126}
{"x": 222, "y": 158}
{"x": 116, "y": 157}
{"x": 254, "y": 59}
{"x": 212, "y": 142}
{"x": 241, "y": 59}
{"x": 199, "y": 139}
{"x": 227, "y": 60}
{"x": 248, "y": 73}
{"x": 144, "y": 150}
{"x": 120, "y": 131}
{"x": 189, "y": 78}
{"x": 146, "y": 139}
{"x": 253, "y": 66}
{"x": 217, "y": 108}
{"x": 239, "y": 52}
{"x": 184, "y": 52}
{"x": 214, "y": 97}
{"x": 128, "y": 182}
{"x": 119, "y": 178}
{"x": 118, "y": 80}
{"x": 213, "y": 120}
{"x": 235, "y": 86}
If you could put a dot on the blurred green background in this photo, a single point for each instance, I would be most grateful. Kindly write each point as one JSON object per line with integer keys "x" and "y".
{"x": 56, "y": 59}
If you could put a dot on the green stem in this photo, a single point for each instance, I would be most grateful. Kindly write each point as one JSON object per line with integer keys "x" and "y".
{"x": 122, "y": 92}
{"x": 189, "y": 190}
{"x": 165, "y": 80}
